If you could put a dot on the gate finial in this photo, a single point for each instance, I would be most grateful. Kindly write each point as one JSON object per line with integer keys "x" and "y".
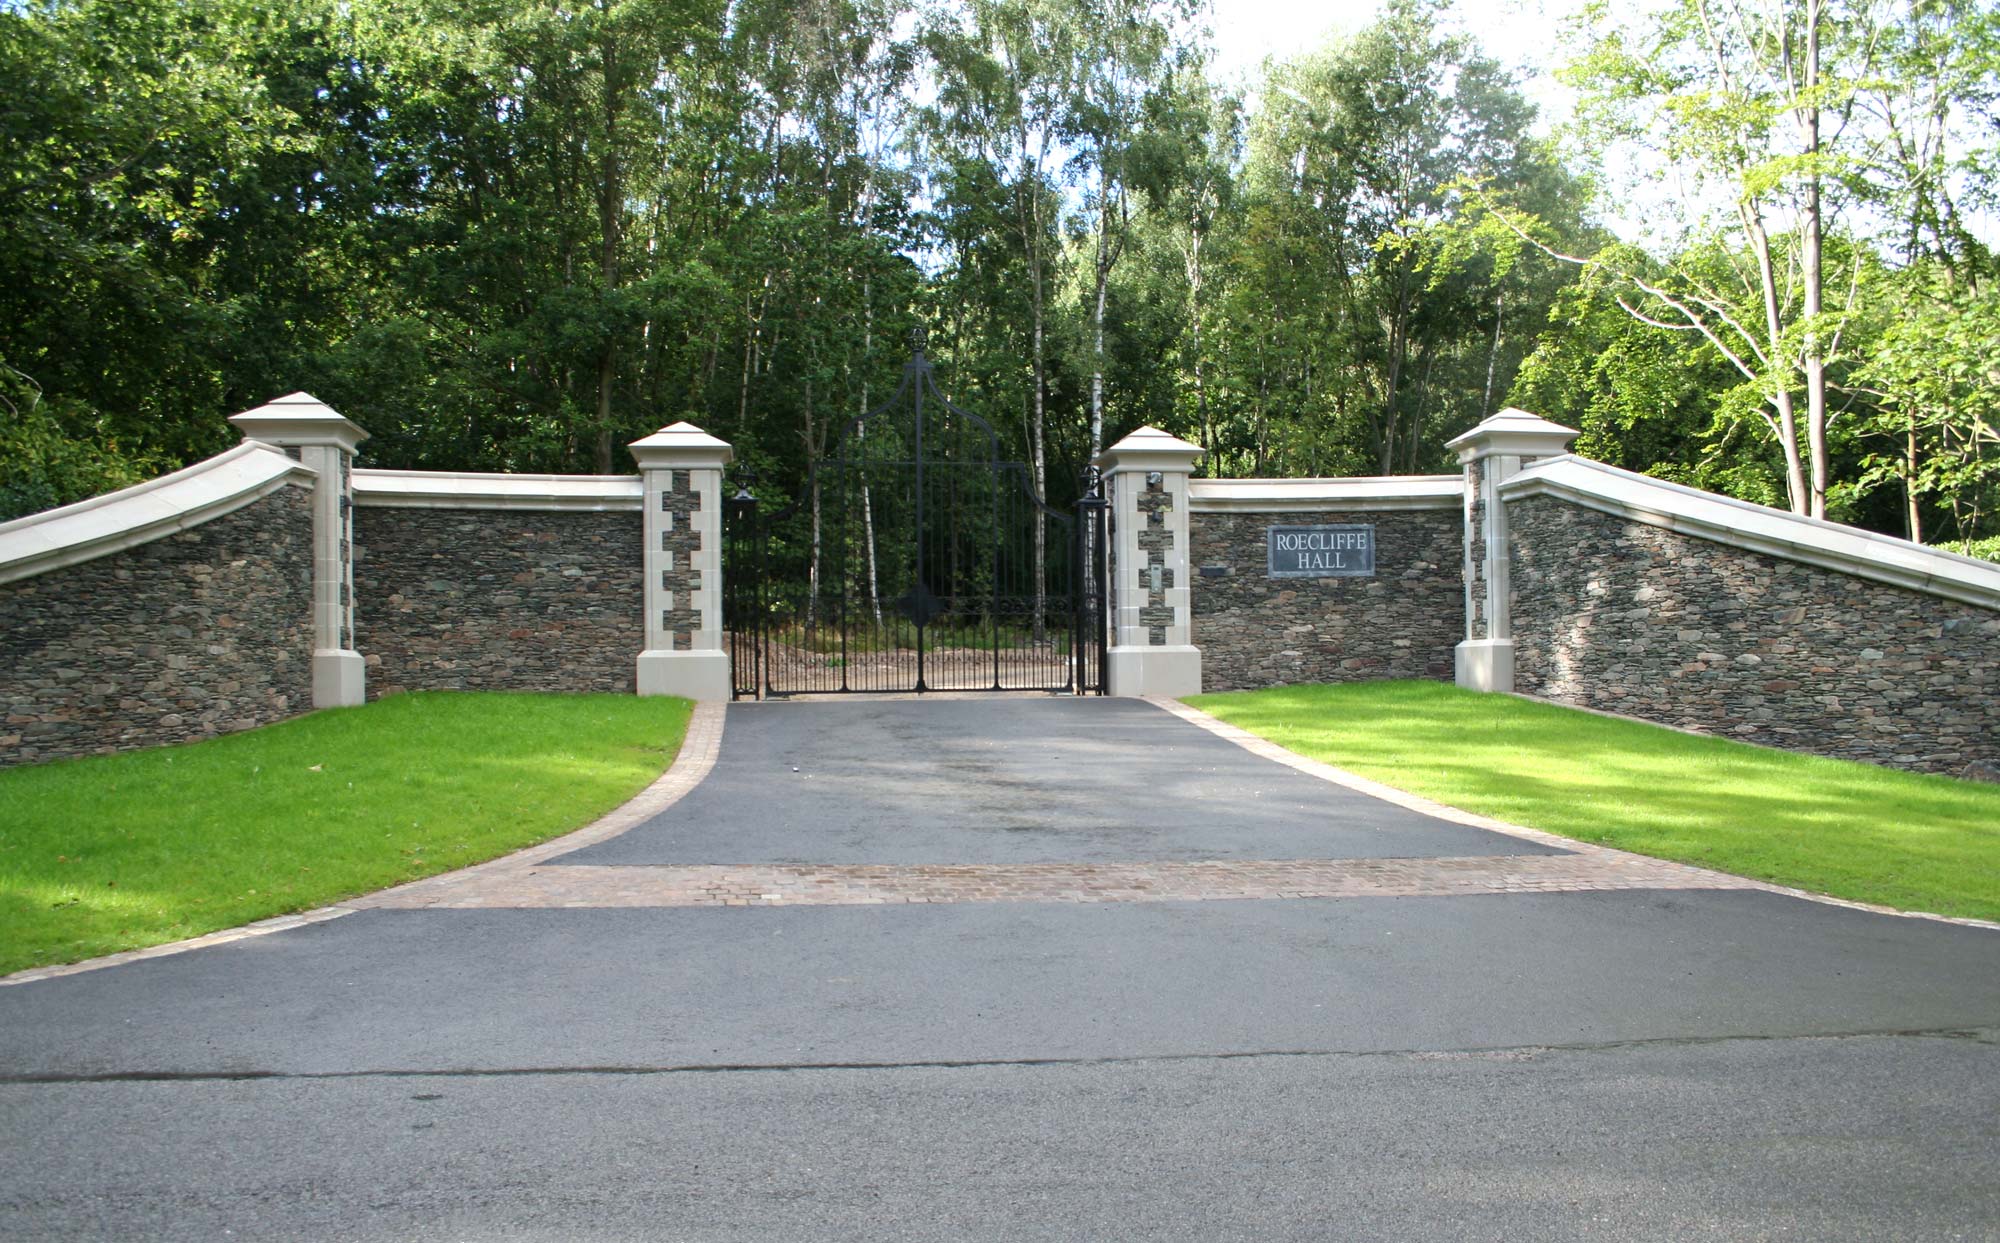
{"x": 917, "y": 337}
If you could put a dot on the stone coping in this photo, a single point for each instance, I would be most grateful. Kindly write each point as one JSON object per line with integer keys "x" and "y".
{"x": 144, "y": 512}
{"x": 1149, "y": 448}
{"x": 1759, "y": 528}
{"x": 1304, "y": 495}
{"x": 681, "y": 446}
{"x": 440, "y": 489}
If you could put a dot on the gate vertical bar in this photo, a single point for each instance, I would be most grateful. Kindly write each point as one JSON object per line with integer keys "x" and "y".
{"x": 1093, "y": 603}
{"x": 846, "y": 579}
{"x": 760, "y": 624}
{"x": 1079, "y": 576}
{"x": 923, "y": 367}
{"x": 996, "y": 539}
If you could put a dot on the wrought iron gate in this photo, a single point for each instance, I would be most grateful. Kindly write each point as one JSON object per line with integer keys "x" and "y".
{"x": 916, "y": 560}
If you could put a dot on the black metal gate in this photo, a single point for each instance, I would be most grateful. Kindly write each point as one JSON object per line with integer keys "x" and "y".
{"x": 916, "y": 560}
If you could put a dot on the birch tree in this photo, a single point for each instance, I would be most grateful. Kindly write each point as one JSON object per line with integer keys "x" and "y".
{"x": 1123, "y": 62}
{"x": 1751, "y": 106}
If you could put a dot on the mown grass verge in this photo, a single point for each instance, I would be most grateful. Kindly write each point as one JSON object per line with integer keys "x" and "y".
{"x": 120, "y": 851}
{"x": 1850, "y": 830}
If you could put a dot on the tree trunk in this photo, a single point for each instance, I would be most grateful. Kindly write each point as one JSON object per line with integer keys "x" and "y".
{"x": 1398, "y": 344}
{"x": 860, "y": 436}
{"x": 610, "y": 212}
{"x": 1097, "y": 356}
{"x": 1194, "y": 319}
{"x": 812, "y": 569}
{"x": 1909, "y": 472}
{"x": 1412, "y": 443}
{"x": 1812, "y": 274}
{"x": 1037, "y": 450}
{"x": 1493, "y": 353}
{"x": 1781, "y": 392}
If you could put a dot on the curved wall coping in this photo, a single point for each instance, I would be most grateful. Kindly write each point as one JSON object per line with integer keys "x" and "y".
{"x": 440, "y": 489}
{"x": 1300, "y": 495}
{"x": 1759, "y": 528}
{"x": 144, "y": 512}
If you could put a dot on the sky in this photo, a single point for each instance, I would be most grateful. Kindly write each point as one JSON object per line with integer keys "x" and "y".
{"x": 1518, "y": 33}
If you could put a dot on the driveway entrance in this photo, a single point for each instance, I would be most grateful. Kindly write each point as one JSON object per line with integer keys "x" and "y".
{"x": 1013, "y": 968}
{"x": 916, "y": 558}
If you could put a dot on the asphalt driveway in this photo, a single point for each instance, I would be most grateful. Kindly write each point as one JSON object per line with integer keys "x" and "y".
{"x": 1013, "y": 780}
{"x": 1639, "y": 1063}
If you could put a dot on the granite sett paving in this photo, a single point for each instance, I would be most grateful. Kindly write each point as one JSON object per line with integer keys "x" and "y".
{"x": 1212, "y": 880}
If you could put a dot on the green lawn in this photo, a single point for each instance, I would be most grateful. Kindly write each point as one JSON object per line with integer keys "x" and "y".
{"x": 1850, "y": 830}
{"x": 119, "y": 851}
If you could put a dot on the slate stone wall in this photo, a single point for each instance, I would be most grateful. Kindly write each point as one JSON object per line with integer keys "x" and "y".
{"x": 1634, "y": 619}
{"x": 1257, "y": 631}
{"x": 465, "y": 599}
{"x": 197, "y": 633}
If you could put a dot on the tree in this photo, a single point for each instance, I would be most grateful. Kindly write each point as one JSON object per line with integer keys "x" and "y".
{"x": 1783, "y": 117}
{"x": 132, "y": 130}
{"x": 1355, "y": 308}
{"x": 1125, "y": 47}
{"x": 1007, "y": 74}
{"x": 1936, "y": 379}
{"x": 1662, "y": 403}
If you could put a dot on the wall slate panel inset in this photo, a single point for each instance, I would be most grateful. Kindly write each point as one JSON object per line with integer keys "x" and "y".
{"x": 197, "y": 633}
{"x": 462, "y": 599}
{"x": 1256, "y": 631}
{"x": 1635, "y": 619}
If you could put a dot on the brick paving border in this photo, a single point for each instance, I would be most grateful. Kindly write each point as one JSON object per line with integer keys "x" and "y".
{"x": 579, "y": 886}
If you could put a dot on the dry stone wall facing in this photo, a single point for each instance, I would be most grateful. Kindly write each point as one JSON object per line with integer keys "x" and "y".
{"x": 475, "y": 599}
{"x": 1620, "y": 615}
{"x": 198, "y": 633}
{"x": 1257, "y": 631}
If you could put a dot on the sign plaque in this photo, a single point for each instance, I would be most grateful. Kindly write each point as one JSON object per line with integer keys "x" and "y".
{"x": 1321, "y": 552}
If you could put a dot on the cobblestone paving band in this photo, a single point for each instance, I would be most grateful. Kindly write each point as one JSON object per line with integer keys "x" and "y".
{"x": 563, "y": 887}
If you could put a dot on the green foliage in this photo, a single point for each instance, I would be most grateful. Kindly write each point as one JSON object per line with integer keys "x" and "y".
{"x": 1366, "y": 324}
{"x": 516, "y": 235}
{"x": 51, "y": 456}
{"x": 1851, "y": 830}
{"x": 1935, "y": 380}
{"x": 131, "y": 129}
{"x": 1649, "y": 399}
{"x": 1988, "y": 548}
{"x": 1816, "y": 145}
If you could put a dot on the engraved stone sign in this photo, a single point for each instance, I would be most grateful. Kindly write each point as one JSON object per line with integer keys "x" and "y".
{"x": 1321, "y": 552}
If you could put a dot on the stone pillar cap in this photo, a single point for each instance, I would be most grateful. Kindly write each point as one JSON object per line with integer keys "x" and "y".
{"x": 681, "y": 444}
{"x": 298, "y": 419}
{"x": 1514, "y": 432}
{"x": 1150, "y": 447}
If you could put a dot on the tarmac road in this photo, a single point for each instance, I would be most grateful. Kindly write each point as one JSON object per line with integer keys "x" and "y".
{"x": 1609, "y": 1065}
